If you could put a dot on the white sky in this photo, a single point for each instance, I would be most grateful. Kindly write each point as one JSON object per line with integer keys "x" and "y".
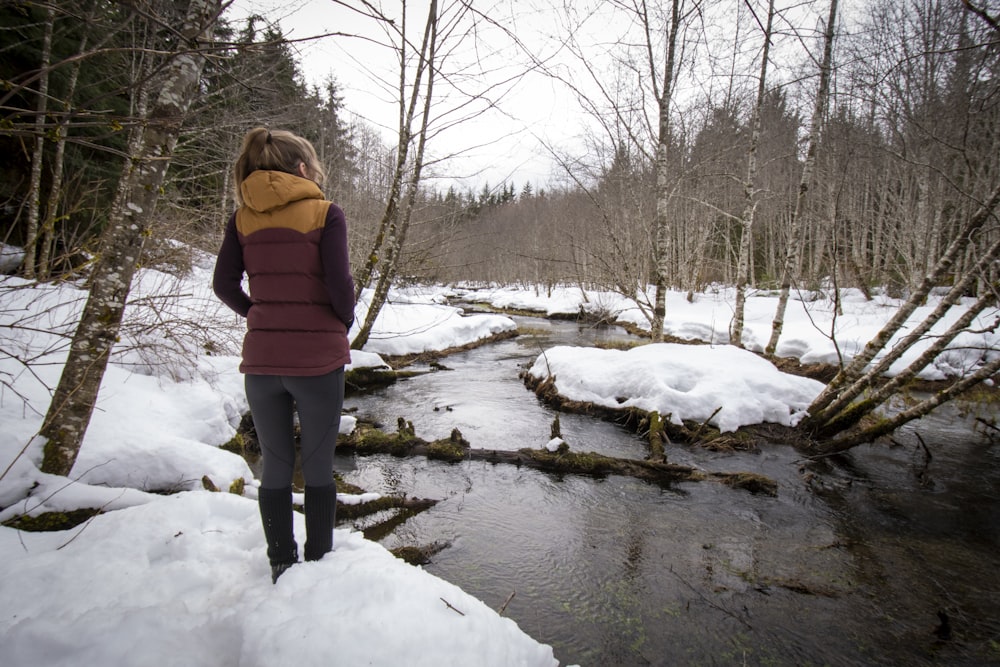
{"x": 500, "y": 144}
{"x": 531, "y": 113}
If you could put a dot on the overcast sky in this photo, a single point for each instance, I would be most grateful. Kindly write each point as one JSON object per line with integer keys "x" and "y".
{"x": 511, "y": 137}
{"x": 502, "y": 143}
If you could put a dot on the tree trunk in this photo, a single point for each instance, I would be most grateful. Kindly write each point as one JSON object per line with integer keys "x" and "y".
{"x": 793, "y": 254}
{"x": 37, "y": 155}
{"x": 887, "y": 426}
{"x": 841, "y": 414}
{"x": 55, "y": 190}
{"x": 664, "y": 232}
{"x": 845, "y": 386}
{"x": 363, "y": 277}
{"x": 743, "y": 269}
{"x": 399, "y": 218}
{"x": 130, "y": 220}
{"x": 851, "y": 415}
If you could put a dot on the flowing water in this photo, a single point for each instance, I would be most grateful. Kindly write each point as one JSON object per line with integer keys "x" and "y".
{"x": 879, "y": 559}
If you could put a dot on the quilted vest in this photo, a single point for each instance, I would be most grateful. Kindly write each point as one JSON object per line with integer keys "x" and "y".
{"x": 291, "y": 327}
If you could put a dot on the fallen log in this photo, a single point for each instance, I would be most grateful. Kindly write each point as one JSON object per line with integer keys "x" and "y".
{"x": 367, "y": 440}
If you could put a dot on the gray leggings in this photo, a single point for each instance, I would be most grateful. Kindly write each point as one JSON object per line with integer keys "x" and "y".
{"x": 318, "y": 400}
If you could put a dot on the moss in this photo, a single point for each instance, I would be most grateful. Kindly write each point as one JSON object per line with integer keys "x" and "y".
{"x": 620, "y": 344}
{"x": 452, "y": 449}
{"x": 51, "y": 521}
{"x": 347, "y": 487}
{"x": 587, "y": 463}
{"x": 656, "y": 435}
{"x": 728, "y": 442}
{"x": 381, "y": 504}
{"x": 365, "y": 379}
{"x": 412, "y": 555}
{"x": 749, "y": 481}
{"x": 418, "y": 555}
{"x": 367, "y": 440}
{"x": 236, "y": 445}
{"x": 237, "y": 487}
{"x": 347, "y": 512}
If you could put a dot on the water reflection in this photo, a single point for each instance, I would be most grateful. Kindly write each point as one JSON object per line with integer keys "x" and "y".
{"x": 618, "y": 572}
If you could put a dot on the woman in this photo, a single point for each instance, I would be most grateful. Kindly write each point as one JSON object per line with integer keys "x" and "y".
{"x": 292, "y": 245}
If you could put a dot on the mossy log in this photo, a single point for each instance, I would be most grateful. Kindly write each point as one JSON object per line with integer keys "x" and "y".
{"x": 367, "y": 439}
{"x": 419, "y": 555}
{"x": 659, "y": 429}
{"x": 50, "y": 521}
{"x": 657, "y": 452}
{"x": 360, "y": 380}
{"x": 590, "y": 463}
{"x": 414, "y": 505}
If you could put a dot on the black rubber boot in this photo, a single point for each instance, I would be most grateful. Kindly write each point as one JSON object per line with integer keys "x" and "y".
{"x": 321, "y": 510}
{"x": 276, "y": 517}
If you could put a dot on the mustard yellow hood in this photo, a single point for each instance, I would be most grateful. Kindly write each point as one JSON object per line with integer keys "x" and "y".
{"x": 264, "y": 191}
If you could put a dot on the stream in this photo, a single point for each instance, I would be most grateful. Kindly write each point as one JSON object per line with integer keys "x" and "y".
{"x": 876, "y": 558}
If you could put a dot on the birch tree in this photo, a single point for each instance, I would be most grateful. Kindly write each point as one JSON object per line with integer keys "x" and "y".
{"x": 395, "y": 222}
{"x": 130, "y": 221}
{"x": 34, "y": 191}
{"x": 832, "y": 411}
{"x": 750, "y": 191}
{"x": 663, "y": 92}
{"x": 793, "y": 251}
{"x": 60, "y": 134}
{"x": 972, "y": 248}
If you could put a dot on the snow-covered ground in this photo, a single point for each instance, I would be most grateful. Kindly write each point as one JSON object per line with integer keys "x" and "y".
{"x": 183, "y": 579}
{"x": 813, "y": 332}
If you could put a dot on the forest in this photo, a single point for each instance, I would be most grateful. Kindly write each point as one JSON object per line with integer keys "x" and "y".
{"x": 792, "y": 149}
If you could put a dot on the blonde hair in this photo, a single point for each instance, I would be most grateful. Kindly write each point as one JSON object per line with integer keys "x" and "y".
{"x": 275, "y": 150}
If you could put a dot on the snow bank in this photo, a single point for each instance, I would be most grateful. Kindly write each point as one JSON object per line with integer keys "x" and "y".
{"x": 415, "y": 321}
{"x": 184, "y": 581}
{"x": 814, "y": 332}
{"x": 683, "y": 381}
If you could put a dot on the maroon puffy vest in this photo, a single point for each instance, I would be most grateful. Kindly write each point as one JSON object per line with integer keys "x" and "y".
{"x": 291, "y": 327}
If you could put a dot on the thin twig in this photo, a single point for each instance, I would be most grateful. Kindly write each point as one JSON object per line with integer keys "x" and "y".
{"x": 503, "y": 607}
{"x": 449, "y": 605}
{"x": 701, "y": 427}
{"x": 709, "y": 602}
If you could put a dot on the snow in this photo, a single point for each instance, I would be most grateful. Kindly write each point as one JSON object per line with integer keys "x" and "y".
{"x": 813, "y": 330}
{"x": 183, "y": 578}
{"x": 10, "y": 258}
{"x": 183, "y": 581}
{"x": 697, "y": 382}
{"x": 415, "y": 320}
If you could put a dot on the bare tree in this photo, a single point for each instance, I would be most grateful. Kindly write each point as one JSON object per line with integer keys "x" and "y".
{"x": 60, "y": 134}
{"x": 396, "y": 220}
{"x": 971, "y": 249}
{"x": 75, "y": 396}
{"x": 750, "y": 191}
{"x": 793, "y": 251}
{"x": 664, "y": 93}
{"x": 832, "y": 411}
{"x": 34, "y": 191}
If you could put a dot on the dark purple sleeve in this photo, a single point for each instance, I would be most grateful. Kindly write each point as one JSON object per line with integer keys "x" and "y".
{"x": 227, "y": 282}
{"x": 337, "y": 265}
